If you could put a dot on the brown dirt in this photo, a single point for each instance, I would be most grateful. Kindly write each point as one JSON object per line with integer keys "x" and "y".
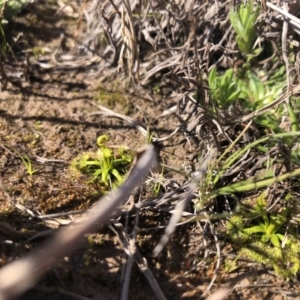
{"x": 48, "y": 116}
{"x": 51, "y": 120}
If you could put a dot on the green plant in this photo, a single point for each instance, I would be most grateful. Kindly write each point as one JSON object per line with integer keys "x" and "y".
{"x": 231, "y": 265}
{"x": 264, "y": 238}
{"x": 258, "y": 93}
{"x": 27, "y": 163}
{"x": 150, "y": 135}
{"x": 226, "y": 161}
{"x": 245, "y": 87}
{"x": 248, "y": 88}
{"x": 257, "y": 234}
{"x": 11, "y": 8}
{"x": 25, "y": 160}
{"x": 243, "y": 21}
{"x": 245, "y": 91}
{"x": 156, "y": 89}
{"x": 224, "y": 89}
{"x": 267, "y": 227}
{"x": 249, "y": 84}
{"x": 3, "y": 45}
{"x": 157, "y": 184}
{"x": 106, "y": 165}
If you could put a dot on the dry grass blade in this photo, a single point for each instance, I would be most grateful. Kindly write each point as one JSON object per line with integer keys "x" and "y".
{"x": 168, "y": 63}
{"x": 143, "y": 265}
{"x": 19, "y": 276}
{"x": 292, "y": 19}
{"x": 109, "y": 113}
{"x": 129, "y": 50}
{"x": 140, "y": 261}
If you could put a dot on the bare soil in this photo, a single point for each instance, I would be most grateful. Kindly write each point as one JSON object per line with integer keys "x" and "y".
{"x": 50, "y": 123}
{"x": 50, "y": 117}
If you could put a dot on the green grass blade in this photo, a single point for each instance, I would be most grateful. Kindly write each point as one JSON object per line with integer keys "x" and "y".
{"x": 252, "y": 184}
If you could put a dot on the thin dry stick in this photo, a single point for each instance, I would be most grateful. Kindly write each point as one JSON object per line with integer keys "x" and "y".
{"x": 218, "y": 256}
{"x": 109, "y": 113}
{"x": 292, "y": 19}
{"x": 287, "y": 67}
{"x": 130, "y": 252}
{"x": 141, "y": 262}
{"x": 285, "y": 51}
{"x": 182, "y": 204}
{"x": 143, "y": 265}
{"x": 20, "y": 275}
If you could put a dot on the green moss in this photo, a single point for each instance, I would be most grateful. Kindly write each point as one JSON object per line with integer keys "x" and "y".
{"x": 113, "y": 97}
{"x": 37, "y": 51}
{"x": 95, "y": 240}
{"x": 31, "y": 138}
